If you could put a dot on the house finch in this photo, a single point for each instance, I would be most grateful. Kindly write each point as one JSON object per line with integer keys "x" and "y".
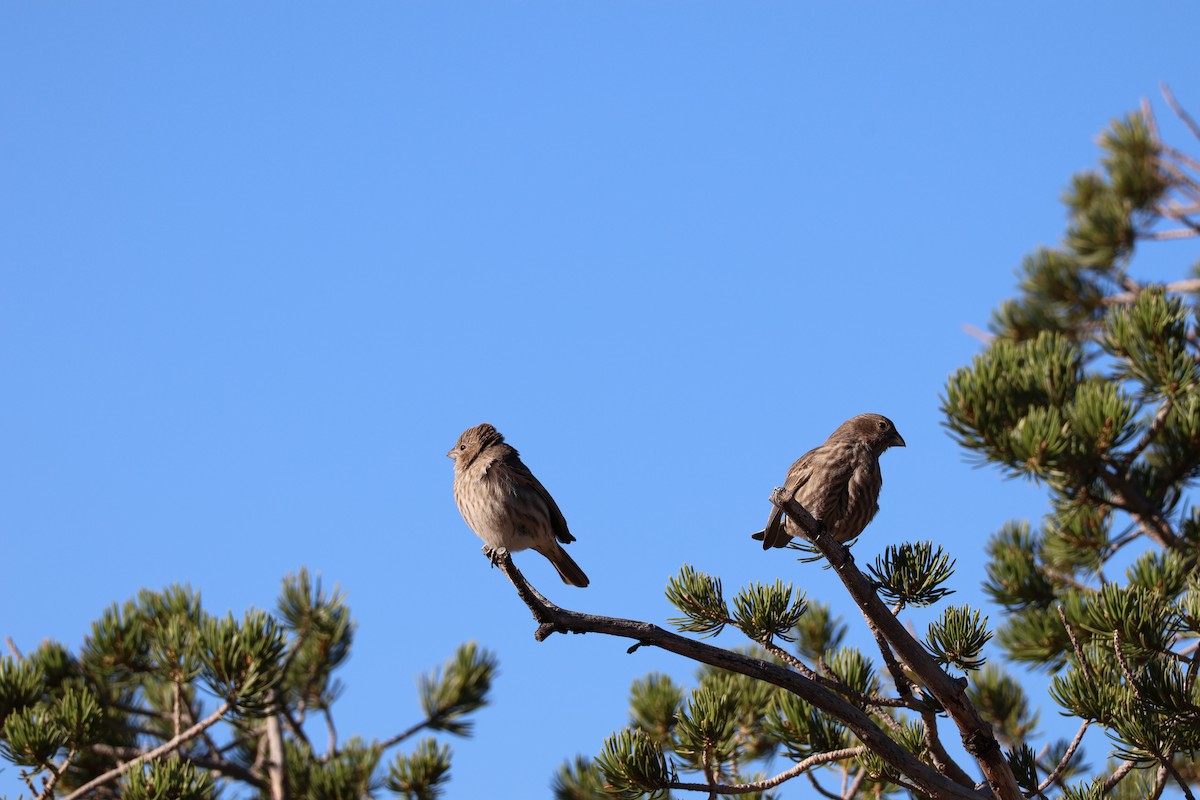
{"x": 838, "y": 482}
{"x": 505, "y": 505}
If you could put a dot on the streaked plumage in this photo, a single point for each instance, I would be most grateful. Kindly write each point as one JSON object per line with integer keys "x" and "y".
{"x": 838, "y": 482}
{"x": 505, "y": 505}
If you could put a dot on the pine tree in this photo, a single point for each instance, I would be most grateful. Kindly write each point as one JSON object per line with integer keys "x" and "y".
{"x": 1089, "y": 385}
{"x": 164, "y": 700}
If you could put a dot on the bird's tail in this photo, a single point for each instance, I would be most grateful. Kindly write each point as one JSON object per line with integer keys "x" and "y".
{"x": 568, "y": 570}
{"x": 773, "y": 535}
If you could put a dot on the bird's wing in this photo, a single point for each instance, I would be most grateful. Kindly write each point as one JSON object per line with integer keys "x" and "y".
{"x": 529, "y": 486}
{"x": 798, "y": 475}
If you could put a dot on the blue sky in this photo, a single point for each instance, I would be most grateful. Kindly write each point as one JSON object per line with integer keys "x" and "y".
{"x": 263, "y": 262}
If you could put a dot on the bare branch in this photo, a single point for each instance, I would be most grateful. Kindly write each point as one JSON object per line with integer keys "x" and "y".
{"x": 56, "y": 773}
{"x": 400, "y": 737}
{"x": 1128, "y": 497}
{"x": 1066, "y": 759}
{"x": 821, "y": 790}
{"x": 1179, "y": 112}
{"x": 1125, "y": 298}
{"x": 1119, "y": 773}
{"x": 332, "y": 731}
{"x": 769, "y": 783}
{"x": 855, "y": 785}
{"x": 276, "y": 764}
{"x": 1170, "y": 768}
{"x": 1156, "y": 426}
{"x": 1174, "y": 233}
{"x": 1087, "y": 668}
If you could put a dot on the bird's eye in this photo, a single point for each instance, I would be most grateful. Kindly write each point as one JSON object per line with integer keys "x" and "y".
{"x": 462, "y": 447}
{"x": 882, "y": 425}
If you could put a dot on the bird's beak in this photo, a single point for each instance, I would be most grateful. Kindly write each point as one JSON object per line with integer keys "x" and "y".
{"x": 450, "y": 453}
{"x": 896, "y": 440}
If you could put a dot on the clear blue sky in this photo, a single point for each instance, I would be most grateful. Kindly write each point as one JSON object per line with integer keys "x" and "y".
{"x": 262, "y": 263}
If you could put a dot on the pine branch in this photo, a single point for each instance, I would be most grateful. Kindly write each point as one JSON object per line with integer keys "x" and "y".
{"x": 977, "y": 736}
{"x": 1155, "y": 427}
{"x": 937, "y": 751}
{"x": 404, "y": 734}
{"x": 553, "y": 619}
{"x": 162, "y": 749}
{"x": 1129, "y": 498}
{"x": 56, "y": 773}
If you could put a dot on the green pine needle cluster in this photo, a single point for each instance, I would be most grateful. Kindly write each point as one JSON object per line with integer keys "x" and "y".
{"x": 159, "y": 669}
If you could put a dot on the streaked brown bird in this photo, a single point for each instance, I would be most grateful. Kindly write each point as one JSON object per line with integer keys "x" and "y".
{"x": 838, "y": 482}
{"x": 505, "y": 504}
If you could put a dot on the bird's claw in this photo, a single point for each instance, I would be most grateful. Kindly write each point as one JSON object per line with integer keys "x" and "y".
{"x": 494, "y": 554}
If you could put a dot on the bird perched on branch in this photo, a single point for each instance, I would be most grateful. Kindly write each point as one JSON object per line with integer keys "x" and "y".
{"x": 838, "y": 482}
{"x": 505, "y": 504}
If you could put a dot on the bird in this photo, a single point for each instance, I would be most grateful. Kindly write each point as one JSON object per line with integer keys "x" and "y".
{"x": 505, "y": 505}
{"x": 838, "y": 482}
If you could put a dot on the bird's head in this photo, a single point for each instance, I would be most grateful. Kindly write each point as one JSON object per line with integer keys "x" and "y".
{"x": 875, "y": 429}
{"x": 473, "y": 441}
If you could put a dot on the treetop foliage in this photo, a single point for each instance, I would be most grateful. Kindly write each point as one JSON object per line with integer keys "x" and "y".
{"x": 1089, "y": 386}
{"x": 164, "y": 700}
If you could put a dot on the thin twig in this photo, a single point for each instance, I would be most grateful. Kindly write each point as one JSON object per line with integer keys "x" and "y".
{"x": 1127, "y": 496}
{"x": 177, "y": 698}
{"x": 1189, "y": 232}
{"x": 855, "y": 785}
{"x": 56, "y": 772}
{"x": 1187, "y": 792}
{"x": 837, "y": 685}
{"x": 937, "y": 751}
{"x": 1160, "y": 782}
{"x": 1152, "y": 431}
{"x": 162, "y": 749}
{"x": 1066, "y": 759}
{"x": 400, "y": 737}
{"x": 1120, "y": 772}
{"x": 1116, "y": 638}
{"x": 1087, "y": 668}
{"x": 1179, "y": 112}
{"x": 214, "y": 763}
{"x": 332, "y": 731}
{"x": 1069, "y": 580}
{"x": 770, "y": 783}
{"x": 820, "y": 789}
{"x": 276, "y": 760}
{"x": 1182, "y": 286}
{"x": 12, "y": 646}
{"x": 709, "y": 778}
